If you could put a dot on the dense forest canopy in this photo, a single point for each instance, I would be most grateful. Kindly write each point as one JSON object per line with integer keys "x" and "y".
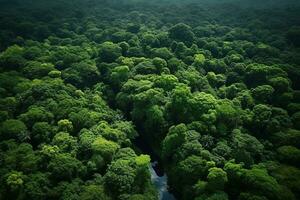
{"x": 93, "y": 91}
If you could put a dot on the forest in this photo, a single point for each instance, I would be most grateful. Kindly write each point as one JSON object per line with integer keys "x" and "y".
{"x": 93, "y": 92}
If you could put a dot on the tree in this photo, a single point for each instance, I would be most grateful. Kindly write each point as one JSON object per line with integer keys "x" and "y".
{"x": 15, "y": 180}
{"x": 63, "y": 166}
{"x": 35, "y": 69}
{"x": 177, "y": 108}
{"x": 227, "y": 115}
{"x": 215, "y": 80}
{"x": 109, "y": 52}
{"x": 289, "y": 137}
{"x": 262, "y": 114}
{"x": 159, "y": 63}
{"x": 109, "y": 133}
{"x": 142, "y": 172}
{"x": 289, "y": 154}
{"x": 163, "y": 53}
{"x": 65, "y": 125}
{"x": 189, "y": 171}
{"x": 166, "y": 82}
{"x": 37, "y": 186}
{"x": 119, "y": 178}
{"x": 65, "y": 142}
{"x": 119, "y": 75}
{"x": 21, "y": 158}
{"x": 293, "y": 36}
{"x": 216, "y": 66}
{"x": 14, "y": 129}
{"x": 36, "y": 114}
{"x": 181, "y": 32}
{"x": 280, "y": 84}
{"x": 12, "y": 57}
{"x": 263, "y": 93}
{"x": 105, "y": 148}
{"x": 263, "y": 184}
{"x": 93, "y": 192}
{"x": 81, "y": 74}
{"x": 133, "y": 28}
{"x": 200, "y": 104}
{"x": 246, "y": 147}
{"x": 199, "y": 60}
{"x": 193, "y": 79}
{"x": 42, "y": 132}
{"x": 174, "y": 139}
{"x": 146, "y": 67}
{"x": 216, "y": 178}
{"x": 126, "y": 127}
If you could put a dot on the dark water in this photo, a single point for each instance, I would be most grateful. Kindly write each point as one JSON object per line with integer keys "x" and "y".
{"x": 161, "y": 183}
{"x": 158, "y": 176}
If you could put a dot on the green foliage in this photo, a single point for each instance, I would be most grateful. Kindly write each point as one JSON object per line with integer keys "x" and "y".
{"x": 42, "y": 132}
{"x": 65, "y": 167}
{"x": 65, "y": 125}
{"x": 216, "y": 178}
{"x": 119, "y": 177}
{"x": 15, "y": 180}
{"x": 12, "y": 57}
{"x": 109, "y": 52}
{"x": 34, "y": 69}
{"x": 65, "y": 142}
{"x": 181, "y": 32}
{"x": 14, "y": 129}
{"x": 209, "y": 89}
{"x": 263, "y": 93}
{"x": 104, "y": 147}
{"x": 174, "y": 139}
{"x": 289, "y": 154}
{"x": 293, "y": 36}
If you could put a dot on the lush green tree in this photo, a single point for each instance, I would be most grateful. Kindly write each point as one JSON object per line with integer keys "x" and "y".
{"x": 263, "y": 93}
{"x": 12, "y": 57}
{"x": 34, "y": 69}
{"x": 189, "y": 171}
{"x": 36, "y": 114}
{"x": 42, "y": 132}
{"x": 109, "y": 52}
{"x": 119, "y": 75}
{"x": 119, "y": 177}
{"x": 91, "y": 192}
{"x": 65, "y": 142}
{"x": 216, "y": 178}
{"x": 37, "y": 186}
{"x": 65, "y": 125}
{"x": 81, "y": 74}
{"x": 262, "y": 114}
{"x": 14, "y": 129}
{"x": 21, "y": 157}
{"x": 174, "y": 139}
{"x": 246, "y": 147}
{"x": 178, "y": 110}
{"x": 105, "y": 147}
{"x": 181, "y": 32}
{"x": 63, "y": 166}
{"x": 289, "y": 154}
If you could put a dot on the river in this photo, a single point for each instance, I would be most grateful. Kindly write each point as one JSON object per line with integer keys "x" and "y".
{"x": 161, "y": 183}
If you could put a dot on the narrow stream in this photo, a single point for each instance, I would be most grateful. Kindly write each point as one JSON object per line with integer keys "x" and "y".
{"x": 158, "y": 176}
{"x": 161, "y": 183}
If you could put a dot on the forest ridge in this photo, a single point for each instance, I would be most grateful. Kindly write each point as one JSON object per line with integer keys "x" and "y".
{"x": 93, "y": 91}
